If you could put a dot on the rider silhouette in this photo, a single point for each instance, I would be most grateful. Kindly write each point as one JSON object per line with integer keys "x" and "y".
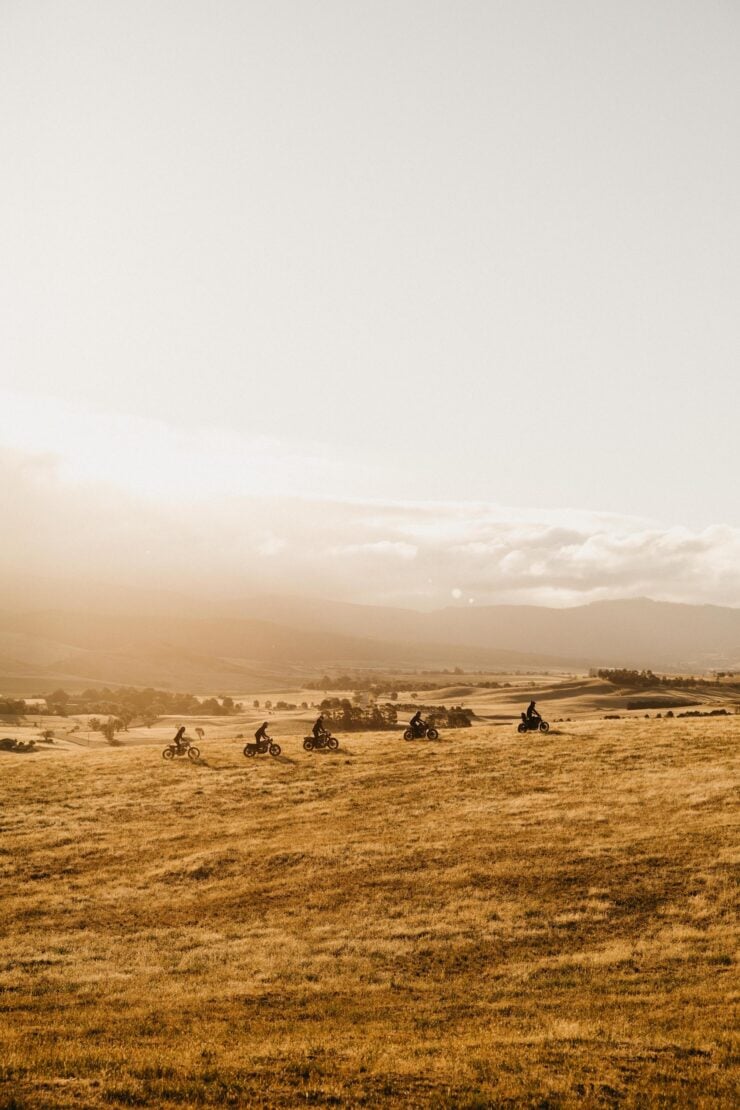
{"x": 532, "y": 714}
{"x": 260, "y": 735}
{"x": 318, "y": 729}
{"x": 179, "y": 735}
{"x": 416, "y": 724}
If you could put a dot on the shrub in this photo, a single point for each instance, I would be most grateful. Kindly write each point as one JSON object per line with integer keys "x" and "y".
{"x": 8, "y": 744}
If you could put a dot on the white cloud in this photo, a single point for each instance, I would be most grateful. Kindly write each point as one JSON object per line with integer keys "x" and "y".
{"x": 58, "y": 522}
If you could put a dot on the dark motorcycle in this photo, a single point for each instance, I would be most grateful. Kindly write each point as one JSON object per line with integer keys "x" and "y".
{"x": 262, "y": 747}
{"x": 324, "y": 740}
{"x": 532, "y": 724}
{"x": 173, "y": 751}
{"x": 425, "y": 732}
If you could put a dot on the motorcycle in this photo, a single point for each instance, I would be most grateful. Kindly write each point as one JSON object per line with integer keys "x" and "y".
{"x": 424, "y": 733}
{"x": 262, "y": 747}
{"x": 324, "y": 740}
{"x": 173, "y": 751}
{"x": 532, "y": 724}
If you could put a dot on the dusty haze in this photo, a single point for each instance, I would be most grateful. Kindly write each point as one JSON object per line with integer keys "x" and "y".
{"x": 390, "y": 303}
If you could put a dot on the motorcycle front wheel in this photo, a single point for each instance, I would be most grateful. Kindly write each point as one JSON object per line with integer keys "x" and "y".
{"x": 275, "y": 749}
{"x": 332, "y": 743}
{"x": 432, "y": 734}
{"x": 194, "y": 754}
{"x": 544, "y": 727}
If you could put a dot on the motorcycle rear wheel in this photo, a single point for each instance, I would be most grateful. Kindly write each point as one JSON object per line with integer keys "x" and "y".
{"x": 249, "y": 750}
{"x": 521, "y": 727}
{"x": 168, "y": 753}
{"x": 308, "y": 744}
{"x": 408, "y": 734}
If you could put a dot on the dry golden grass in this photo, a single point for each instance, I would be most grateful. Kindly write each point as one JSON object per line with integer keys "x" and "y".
{"x": 494, "y": 920}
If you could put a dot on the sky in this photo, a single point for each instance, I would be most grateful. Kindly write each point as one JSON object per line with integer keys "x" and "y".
{"x": 415, "y": 302}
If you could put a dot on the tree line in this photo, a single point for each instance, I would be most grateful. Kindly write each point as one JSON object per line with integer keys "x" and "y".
{"x": 129, "y": 703}
{"x": 12, "y": 707}
{"x": 387, "y": 687}
{"x": 342, "y": 714}
{"x": 622, "y": 676}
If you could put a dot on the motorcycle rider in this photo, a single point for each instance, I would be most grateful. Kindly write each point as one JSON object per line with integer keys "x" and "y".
{"x": 416, "y": 724}
{"x": 179, "y": 740}
{"x": 533, "y": 718}
{"x": 260, "y": 736}
{"x": 318, "y": 729}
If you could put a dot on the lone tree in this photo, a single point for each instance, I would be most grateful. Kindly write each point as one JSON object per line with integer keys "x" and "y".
{"x": 108, "y": 728}
{"x": 57, "y": 702}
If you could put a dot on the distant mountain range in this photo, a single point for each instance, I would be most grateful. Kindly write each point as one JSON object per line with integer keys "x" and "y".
{"x": 637, "y": 632}
{"x": 255, "y": 642}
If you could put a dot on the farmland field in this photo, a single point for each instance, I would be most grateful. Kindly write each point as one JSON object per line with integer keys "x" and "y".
{"x": 492, "y": 920}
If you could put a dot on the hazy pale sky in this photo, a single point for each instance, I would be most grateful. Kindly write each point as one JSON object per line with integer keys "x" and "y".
{"x": 480, "y": 253}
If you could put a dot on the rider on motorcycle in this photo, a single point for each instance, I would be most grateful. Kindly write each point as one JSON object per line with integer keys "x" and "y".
{"x": 416, "y": 724}
{"x": 179, "y": 740}
{"x": 260, "y": 736}
{"x": 532, "y": 716}
{"x": 318, "y": 729}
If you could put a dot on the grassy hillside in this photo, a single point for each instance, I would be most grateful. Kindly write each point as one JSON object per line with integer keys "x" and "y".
{"x": 486, "y": 921}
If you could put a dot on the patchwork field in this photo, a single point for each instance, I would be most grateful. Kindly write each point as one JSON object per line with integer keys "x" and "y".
{"x": 492, "y": 920}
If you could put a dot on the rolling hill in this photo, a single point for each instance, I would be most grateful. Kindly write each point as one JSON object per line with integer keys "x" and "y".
{"x": 205, "y": 645}
{"x": 216, "y": 653}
